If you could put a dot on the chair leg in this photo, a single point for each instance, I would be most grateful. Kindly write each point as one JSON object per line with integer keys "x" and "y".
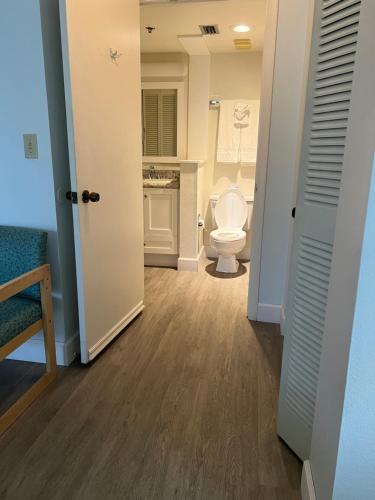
{"x": 47, "y": 319}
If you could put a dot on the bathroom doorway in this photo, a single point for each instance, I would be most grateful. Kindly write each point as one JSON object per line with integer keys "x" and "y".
{"x": 201, "y": 64}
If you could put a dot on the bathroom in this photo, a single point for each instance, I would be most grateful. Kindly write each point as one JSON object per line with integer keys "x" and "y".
{"x": 197, "y": 73}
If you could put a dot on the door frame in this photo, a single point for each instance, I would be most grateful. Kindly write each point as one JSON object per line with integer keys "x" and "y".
{"x": 268, "y": 67}
{"x": 275, "y": 313}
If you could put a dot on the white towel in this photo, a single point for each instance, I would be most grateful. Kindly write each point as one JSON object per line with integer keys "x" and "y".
{"x": 241, "y": 114}
{"x": 238, "y": 131}
{"x": 249, "y": 135}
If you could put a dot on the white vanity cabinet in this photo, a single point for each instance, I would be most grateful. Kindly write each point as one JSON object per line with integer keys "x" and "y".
{"x": 160, "y": 220}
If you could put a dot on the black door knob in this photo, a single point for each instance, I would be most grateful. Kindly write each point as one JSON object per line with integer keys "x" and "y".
{"x": 87, "y": 196}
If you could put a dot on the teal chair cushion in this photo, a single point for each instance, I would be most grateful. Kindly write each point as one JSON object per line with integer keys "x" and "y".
{"x": 16, "y": 314}
{"x": 21, "y": 250}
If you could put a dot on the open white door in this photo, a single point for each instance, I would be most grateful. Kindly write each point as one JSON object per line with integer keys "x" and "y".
{"x": 103, "y": 100}
{"x": 332, "y": 71}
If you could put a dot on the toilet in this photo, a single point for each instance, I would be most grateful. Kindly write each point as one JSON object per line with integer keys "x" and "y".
{"x": 230, "y": 211}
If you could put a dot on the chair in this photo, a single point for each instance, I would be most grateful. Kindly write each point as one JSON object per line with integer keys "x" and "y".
{"x": 25, "y": 305}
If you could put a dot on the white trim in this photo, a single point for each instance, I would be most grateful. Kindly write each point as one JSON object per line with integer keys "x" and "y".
{"x": 184, "y": 264}
{"x": 202, "y": 254}
{"x": 181, "y": 120}
{"x": 106, "y": 339}
{"x": 268, "y": 313}
{"x": 282, "y": 320}
{"x": 33, "y": 350}
{"x": 269, "y": 53}
{"x": 307, "y": 483}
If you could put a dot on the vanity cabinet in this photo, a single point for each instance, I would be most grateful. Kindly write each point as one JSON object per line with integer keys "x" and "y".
{"x": 160, "y": 220}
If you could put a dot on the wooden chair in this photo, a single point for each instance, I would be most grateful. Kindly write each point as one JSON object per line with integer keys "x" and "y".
{"x": 25, "y": 305}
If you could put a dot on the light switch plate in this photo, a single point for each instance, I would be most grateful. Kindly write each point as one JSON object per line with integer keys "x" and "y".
{"x": 30, "y": 144}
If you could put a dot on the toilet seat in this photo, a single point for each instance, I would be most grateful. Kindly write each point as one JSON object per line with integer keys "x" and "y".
{"x": 228, "y": 234}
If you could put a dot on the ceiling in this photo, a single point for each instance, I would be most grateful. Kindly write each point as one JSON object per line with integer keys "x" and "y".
{"x": 177, "y": 19}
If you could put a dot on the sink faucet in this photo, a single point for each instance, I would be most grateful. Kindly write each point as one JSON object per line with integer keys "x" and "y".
{"x": 153, "y": 173}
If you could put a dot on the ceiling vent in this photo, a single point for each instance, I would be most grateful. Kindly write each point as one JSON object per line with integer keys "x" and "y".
{"x": 242, "y": 43}
{"x": 209, "y": 29}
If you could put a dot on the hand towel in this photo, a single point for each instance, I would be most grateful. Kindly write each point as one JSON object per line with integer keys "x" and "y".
{"x": 228, "y": 137}
{"x": 238, "y": 131}
{"x": 249, "y": 135}
{"x": 241, "y": 114}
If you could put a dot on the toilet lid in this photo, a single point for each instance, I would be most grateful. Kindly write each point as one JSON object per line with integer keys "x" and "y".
{"x": 231, "y": 209}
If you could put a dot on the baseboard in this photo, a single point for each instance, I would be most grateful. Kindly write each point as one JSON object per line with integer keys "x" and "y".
{"x": 161, "y": 260}
{"x": 307, "y": 483}
{"x": 282, "y": 320}
{"x": 188, "y": 264}
{"x": 33, "y": 350}
{"x": 269, "y": 313}
{"x": 103, "y": 342}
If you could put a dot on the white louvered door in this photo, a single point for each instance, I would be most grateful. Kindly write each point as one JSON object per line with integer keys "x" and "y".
{"x": 332, "y": 70}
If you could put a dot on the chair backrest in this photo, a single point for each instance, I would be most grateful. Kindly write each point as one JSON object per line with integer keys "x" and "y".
{"x": 21, "y": 250}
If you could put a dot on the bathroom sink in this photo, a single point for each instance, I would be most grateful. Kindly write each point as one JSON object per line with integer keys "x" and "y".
{"x": 157, "y": 183}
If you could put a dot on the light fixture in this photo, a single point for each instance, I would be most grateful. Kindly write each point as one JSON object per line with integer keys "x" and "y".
{"x": 241, "y": 28}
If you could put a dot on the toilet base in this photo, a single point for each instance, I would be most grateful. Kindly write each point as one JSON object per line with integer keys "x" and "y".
{"x": 227, "y": 264}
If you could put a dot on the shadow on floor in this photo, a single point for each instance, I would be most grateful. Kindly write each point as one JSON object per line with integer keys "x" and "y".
{"x": 211, "y": 269}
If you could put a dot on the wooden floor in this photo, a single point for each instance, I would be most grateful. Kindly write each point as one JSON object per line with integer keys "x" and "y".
{"x": 181, "y": 406}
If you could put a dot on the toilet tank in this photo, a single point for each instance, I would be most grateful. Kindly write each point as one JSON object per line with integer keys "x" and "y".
{"x": 250, "y": 203}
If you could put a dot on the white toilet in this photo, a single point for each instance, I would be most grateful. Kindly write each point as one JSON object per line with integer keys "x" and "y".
{"x": 230, "y": 212}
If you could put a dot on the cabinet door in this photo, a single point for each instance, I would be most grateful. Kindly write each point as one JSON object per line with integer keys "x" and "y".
{"x": 160, "y": 221}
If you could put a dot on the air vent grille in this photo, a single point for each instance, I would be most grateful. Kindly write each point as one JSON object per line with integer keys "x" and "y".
{"x": 209, "y": 29}
{"x": 242, "y": 43}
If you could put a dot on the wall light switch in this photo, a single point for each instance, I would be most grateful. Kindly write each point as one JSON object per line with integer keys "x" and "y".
{"x": 30, "y": 144}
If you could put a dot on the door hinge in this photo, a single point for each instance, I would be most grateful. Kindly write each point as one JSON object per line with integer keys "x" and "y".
{"x": 294, "y": 212}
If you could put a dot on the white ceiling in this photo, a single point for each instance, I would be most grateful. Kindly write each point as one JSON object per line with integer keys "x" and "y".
{"x": 176, "y": 19}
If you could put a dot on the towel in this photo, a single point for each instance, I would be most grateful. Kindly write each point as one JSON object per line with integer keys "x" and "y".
{"x": 238, "y": 131}
{"x": 241, "y": 114}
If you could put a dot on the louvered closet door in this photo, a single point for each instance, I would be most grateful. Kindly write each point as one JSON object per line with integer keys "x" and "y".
{"x": 332, "y": 69}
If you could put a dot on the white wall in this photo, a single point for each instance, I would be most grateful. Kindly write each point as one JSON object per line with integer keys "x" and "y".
{"x": 232, "y": 76}
{"x": 28, "y": 186}
{"x": 289, "y": 88}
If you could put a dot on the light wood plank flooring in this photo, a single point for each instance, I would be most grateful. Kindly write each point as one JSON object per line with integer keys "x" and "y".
{"x": 181, "y": 406}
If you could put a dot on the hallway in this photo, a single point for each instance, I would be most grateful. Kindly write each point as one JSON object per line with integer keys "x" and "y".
{"x": 182, "y": 405}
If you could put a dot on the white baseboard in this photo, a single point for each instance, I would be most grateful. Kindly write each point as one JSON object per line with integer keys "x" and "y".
{"x": 161, "y": 260}
{"x": 103, "y": 342}
{"x": 33, "y": 350}
{"x": 269, "y": 313}
{"x": 307, "y": 483}
{"x": 188, "y": 264}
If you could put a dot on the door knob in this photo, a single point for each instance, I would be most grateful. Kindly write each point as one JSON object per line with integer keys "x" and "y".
{"x": 87, "y": 196}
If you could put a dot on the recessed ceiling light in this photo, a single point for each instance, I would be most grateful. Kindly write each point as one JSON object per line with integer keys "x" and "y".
{"x": 241, "y": 28}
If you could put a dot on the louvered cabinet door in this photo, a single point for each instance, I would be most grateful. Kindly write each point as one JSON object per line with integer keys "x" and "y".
{"x": 168, "y": 134}
{"x": 332, "y": 70}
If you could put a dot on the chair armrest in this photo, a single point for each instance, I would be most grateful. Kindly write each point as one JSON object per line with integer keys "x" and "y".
{"x": 15, "y": 286}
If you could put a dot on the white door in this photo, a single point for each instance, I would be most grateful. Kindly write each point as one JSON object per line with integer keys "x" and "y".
{"x": 332, "y": 70}
{"x": 160, "y": 220}
{"x": 103, "y": 100}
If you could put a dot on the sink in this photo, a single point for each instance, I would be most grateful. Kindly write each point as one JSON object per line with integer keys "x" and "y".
{"x": 157, "y": 183}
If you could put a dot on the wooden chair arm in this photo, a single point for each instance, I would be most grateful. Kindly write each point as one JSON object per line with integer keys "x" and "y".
{"x": 26, "y": 280}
